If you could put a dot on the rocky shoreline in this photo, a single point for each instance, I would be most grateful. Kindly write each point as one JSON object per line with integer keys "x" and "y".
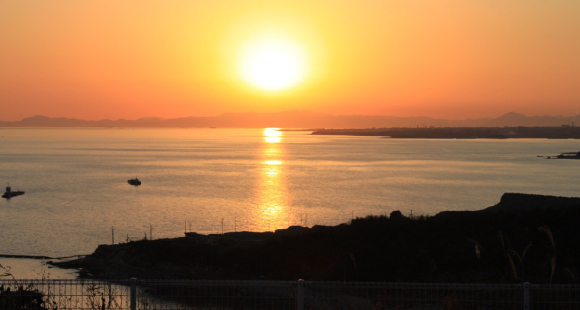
{"x": 522, "y": 238}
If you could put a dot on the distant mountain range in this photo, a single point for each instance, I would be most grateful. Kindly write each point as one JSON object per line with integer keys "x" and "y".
{"x": 297, "y": 119}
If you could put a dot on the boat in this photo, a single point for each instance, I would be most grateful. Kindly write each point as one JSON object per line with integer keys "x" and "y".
{"x": 134, "y": 182}
{"x": 9, "y": 193}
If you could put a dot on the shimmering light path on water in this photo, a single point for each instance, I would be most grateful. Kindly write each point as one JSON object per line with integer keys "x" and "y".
{"x": 251, "y": 179}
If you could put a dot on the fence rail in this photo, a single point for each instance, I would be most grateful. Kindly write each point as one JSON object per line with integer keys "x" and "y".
{"x": 136, "y": 294}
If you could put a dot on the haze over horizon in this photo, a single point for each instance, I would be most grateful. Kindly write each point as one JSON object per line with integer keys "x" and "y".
{"x": 296, "y": 111}
{"x": 297, "y": 119}
{"x": 128, "y": 60}
{"x": 305, "y": 112}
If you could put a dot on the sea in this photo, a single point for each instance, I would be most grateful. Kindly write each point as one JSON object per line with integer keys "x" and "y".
{"x": 216, "y": 180}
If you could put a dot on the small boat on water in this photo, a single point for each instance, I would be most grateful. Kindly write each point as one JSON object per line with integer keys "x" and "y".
{"x": 9, "y": 193}
{"x": 134, "y": 182}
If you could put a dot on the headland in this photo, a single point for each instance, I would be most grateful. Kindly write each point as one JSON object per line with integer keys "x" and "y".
{"x": 565, "y": 132}
{"x": 522, "y": 238}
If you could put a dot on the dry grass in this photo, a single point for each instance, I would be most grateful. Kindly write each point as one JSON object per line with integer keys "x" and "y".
{"x": 553, "y": 260}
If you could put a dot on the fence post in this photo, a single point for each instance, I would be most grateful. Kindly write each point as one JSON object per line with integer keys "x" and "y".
{"x": 527, "y": 296}
{"x": 300, "y": 295}
{"x": 133, "y": 293}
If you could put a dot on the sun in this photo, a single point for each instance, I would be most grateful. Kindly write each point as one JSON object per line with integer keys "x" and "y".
{"x": 273, "y": 63}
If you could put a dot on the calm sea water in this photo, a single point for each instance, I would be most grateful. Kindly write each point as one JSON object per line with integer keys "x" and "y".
{"x": 206, "y": 180}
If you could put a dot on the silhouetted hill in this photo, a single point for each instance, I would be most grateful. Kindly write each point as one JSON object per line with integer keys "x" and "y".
{"x": 523, "y": 238}
{"x": 295, "y": 119}
{"x": 513, "y": 119}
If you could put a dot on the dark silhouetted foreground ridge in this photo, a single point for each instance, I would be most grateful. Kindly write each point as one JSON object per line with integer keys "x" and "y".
{"x": 523, "y": 238}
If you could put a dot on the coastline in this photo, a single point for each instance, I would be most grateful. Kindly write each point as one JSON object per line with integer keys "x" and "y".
{"x": 35, "y": 269}
{"x": 565, "y": 132}
{"x": 452, "y": 246}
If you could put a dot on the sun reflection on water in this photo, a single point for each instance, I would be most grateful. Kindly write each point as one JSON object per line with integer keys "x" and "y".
{"x": 273, "y": 162}
{"x": 272, "y": 135}
{"x": 272, "y": 210}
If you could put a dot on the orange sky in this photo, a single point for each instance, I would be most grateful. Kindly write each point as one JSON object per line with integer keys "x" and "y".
{"x": 138, "y": 58}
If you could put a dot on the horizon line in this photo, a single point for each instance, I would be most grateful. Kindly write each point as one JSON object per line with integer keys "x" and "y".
{"x": 280, "y": 112}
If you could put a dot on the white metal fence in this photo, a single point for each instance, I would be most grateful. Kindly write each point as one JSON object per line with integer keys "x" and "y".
{"x": 303, "y": 295}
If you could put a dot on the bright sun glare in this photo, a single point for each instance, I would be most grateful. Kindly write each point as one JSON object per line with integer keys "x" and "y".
{"x": 272, "y": 135}
{"x": 273, "y": 63}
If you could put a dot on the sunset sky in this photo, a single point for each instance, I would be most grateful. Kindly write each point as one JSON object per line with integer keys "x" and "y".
{"x": 130, "y": 59}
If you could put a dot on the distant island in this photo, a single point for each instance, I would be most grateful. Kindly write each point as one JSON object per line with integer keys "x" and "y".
{"x": 297, "y": 119}
{"x": 565, "y": 132}
{"x": 523, "y": 238}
